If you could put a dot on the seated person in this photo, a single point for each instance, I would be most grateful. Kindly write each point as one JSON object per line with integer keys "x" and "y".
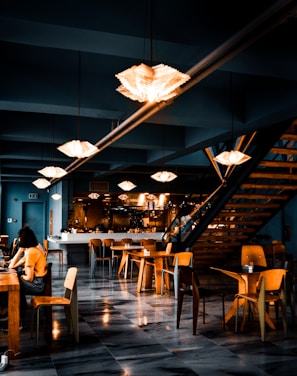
{"x": 30, "y": 263}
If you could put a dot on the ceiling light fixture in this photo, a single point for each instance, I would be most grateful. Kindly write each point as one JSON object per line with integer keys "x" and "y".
{"x": 123, "y": 197}
{"x": 56, "y": 196}
{"x": 126, "y": 185}
{"x": 233, "y": 157}
{"x": 77, "y": 148}
{"x": 150, "y": 84}
{"x": 41, "y": 183}
{"x": 94, "y": 195}
{"x": 53, "y": 172}
{"x": 164, "y": 176}
{"x": 145, "y": 83}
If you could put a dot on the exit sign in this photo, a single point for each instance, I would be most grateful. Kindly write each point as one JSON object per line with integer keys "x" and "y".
{"x": 33, "y": 196}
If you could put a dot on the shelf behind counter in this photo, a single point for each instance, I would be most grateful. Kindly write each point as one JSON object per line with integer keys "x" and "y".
{"x": 75, "y": 246}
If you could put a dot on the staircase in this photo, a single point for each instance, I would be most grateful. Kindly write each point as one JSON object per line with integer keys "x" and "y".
{"x": 246, "y": 200}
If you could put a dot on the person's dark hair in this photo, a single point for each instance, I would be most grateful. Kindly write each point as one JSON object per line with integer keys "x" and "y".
{"x": 27, "y": 238}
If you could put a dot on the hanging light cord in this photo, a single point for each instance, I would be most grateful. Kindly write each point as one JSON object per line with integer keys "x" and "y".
{"x": 78, "y": 100}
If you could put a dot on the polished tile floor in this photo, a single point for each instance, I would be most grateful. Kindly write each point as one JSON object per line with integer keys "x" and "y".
{"x": 126, "y": 333}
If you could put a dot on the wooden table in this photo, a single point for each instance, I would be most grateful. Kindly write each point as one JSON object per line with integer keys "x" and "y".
{"x": 159, "y": 257}
{"x": 125, "y": 257}
{"x": 9, "y": 282}
{"x": 247, "y": 283}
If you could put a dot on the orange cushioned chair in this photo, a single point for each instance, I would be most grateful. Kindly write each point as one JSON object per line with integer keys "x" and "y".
{"x": 68, "y": 301}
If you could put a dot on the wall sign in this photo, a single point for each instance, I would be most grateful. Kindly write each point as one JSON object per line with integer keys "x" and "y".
{"x": 33, "y": 196}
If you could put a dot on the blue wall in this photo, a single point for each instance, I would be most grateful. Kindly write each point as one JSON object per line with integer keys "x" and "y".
{"x": 15, "y": 194}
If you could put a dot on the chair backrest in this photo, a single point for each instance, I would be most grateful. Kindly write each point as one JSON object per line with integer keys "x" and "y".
{"x": 45, "y": 247}
{"x": 4, "y": 241}
{"x": 188, "y": 276}
{"x": 95, "y": 245}
{"x": 151, "y": 247}
{"x": 70, "y": 281}
{"x": 48, "y": 280}
{"x": 108, "y": 242}
{"x": 253, "y": 253}
{"x": 127, "y": 240}
{"x": 168, "y": 248}
{"x": 273, "y": 279}
{"x": 183, "y": 258}
{"x": 118, "y": 243}
{"x": 145, "y": 242}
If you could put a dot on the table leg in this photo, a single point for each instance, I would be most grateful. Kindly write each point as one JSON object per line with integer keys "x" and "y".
{"x": 140, "y": 274}
{"x": 158, "y": 274}
{"x": 13, "y": 322}
{"x": 123, "y": 263}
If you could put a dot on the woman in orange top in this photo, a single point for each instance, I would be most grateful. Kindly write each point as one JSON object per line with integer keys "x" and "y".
{"x": 31, "y": 264}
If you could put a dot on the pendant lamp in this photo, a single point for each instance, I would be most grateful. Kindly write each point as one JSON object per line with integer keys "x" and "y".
{"x": 143, "y": 83}
{"x": 77, "y": 148}
{"x": 56, "y": 196}
{"x": 53, "y": 172}
{"x": 126, "y": 185}
{"x": 153, "y": 83}
{"x": 232, "y": 157}
{"x": 164, "y": 176}
{"x": 41, "y": 183}
{"x": 94, "y": 195}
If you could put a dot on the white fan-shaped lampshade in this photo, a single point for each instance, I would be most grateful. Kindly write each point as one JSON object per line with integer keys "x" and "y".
{"x": 126, "y": 185}
{"x": 53, "y": 172}
{"x": 94, "y": 195}
{"x": 56, "y": 196}
{"x": 78, "y": 149}
{"x": 41, "y": 183}
{"x": 164, "y": 176}
{"x": 233, "y": 157}
{"x": 150, "y": 84}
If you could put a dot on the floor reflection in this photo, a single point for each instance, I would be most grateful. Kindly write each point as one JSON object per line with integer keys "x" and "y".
{"x": 129, "y": 334}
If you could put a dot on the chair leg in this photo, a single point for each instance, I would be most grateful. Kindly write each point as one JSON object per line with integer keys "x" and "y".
{"x": 236, "y": 317}
{"x": 162, "y": 283}
{"x": 37, "y": 326}
{"x": 223, "y": 310}
{"x": 175, "y": 281}
{"x": 179, "y": 309}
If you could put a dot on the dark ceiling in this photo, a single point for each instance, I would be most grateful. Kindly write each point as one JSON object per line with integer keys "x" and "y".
{"x": 241, "y": 56}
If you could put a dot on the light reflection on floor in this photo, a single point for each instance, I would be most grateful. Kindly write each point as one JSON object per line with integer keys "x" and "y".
{"x": 125, "y": 333}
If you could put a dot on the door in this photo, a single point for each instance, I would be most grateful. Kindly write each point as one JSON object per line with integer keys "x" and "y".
{"x": 34, "y": 216}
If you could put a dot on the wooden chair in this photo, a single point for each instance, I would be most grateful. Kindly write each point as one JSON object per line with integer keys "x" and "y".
{"x": 68, "y": 301}
{"x": 188, "y": 284}
{"x": 253, "y": 253}
{"x": 271, "y": 290}
{"x": 95, "y": 253}
{"x": 151, "y": 247}
{"x": 180, "y": 259}
{"x": 48, "y": 251}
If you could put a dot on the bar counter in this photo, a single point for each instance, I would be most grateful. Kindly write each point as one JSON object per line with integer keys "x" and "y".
{"x": 75, "y": 246}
